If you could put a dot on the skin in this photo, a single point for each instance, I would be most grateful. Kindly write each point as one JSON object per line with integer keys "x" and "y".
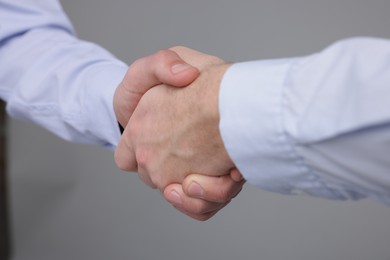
{"x": 165, "y": 66}
{"x": 172, "y": 135}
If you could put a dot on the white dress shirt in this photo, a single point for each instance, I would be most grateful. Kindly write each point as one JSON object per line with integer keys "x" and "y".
{"x": 318, "y": 125}
{"x": 51, "y": 78}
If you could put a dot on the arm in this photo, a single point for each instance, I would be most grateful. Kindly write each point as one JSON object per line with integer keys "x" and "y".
{"x": 318, "y": 125}
{"x": 51, "y": 78}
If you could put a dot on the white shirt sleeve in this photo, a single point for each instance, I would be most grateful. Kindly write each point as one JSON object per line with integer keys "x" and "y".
{"x": 51, "y": 78}
{"x": 318, "y": 125}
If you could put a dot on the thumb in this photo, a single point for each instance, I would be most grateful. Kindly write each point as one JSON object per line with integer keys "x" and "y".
{"x": 163, "y": 67}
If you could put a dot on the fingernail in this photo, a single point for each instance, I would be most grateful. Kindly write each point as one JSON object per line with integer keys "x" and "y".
{"x": 195, "y": 190}
{"x": 174, "y": 198}
{"x": 180, "y": 67}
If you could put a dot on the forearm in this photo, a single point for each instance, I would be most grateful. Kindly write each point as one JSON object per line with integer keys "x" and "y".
{"x": 299, "y": 107}
{"x": 50, "y": 77}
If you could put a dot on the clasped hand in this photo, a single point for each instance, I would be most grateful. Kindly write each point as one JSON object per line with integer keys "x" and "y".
{"x": 171, "y": 138}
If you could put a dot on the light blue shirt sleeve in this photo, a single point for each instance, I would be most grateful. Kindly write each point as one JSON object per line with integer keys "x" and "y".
{"x": 317, "y": 125}
{"x": 50, "y": 77}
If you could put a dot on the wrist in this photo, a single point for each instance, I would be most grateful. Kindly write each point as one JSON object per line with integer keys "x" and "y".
{"x": 99, "y": 95}
{"x": 214, "y": 76}
{"x": 211, "y": 79}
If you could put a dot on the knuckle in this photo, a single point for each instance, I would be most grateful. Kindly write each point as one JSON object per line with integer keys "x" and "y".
{"x": 179, "y": 48}
{"x": 162, "y": 61}
{"x": 145, "y": 179}
{"x": 119, "y": 162}
{"x": 156, "y": 180}
{"x": 142, "y": 158}
{"x": 204, "y": 217}
{"x": 132, "y": 77}
{"x": 201, "y": 207}
{"x": 123, "y": 155}
{"x": 224, "y": 195}
{"x": 162, "y": 55}
{"x": 133, "y": 68}
{"x": 215, "y": 60}
{"x": 228, "y": 190}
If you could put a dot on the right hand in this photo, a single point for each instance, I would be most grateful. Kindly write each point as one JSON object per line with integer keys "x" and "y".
{"x": 142, "y": 75}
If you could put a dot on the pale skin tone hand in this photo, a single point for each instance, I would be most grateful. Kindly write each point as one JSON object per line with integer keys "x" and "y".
{"x": 197, "y": 196}
{"x": 164, "y": 66}
{"x": 201, "y": 197}
{"x": 174, "y": 133}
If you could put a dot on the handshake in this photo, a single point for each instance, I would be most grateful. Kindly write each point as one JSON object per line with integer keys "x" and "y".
{"x": 167, "y": 104}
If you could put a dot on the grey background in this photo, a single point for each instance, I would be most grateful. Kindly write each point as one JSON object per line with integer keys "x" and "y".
{"x": 70, "y": 202}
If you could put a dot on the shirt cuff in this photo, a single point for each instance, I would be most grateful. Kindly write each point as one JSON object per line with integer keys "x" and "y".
{"x": 251, "y": 126}
{"x": 99, "y": 97}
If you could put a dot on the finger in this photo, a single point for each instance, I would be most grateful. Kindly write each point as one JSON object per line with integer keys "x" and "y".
{"x": 174, "y": 194}
{"x": 124, "y": 156}
{"x": 214, "y": 189}
{"x": 163, "y": 67}
{"x": 146, "y": 179}
{"x": 196, "y": 58}
{"x": 200, "y": 217}
{"x": 125, "y": 159}
{"x": 236, "y": 175}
